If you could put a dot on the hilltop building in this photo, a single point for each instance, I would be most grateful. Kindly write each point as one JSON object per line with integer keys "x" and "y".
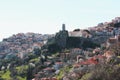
{"x": 61, "y": 37}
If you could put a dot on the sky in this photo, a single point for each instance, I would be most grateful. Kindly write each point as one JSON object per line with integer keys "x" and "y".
{"x": 47, "y": 16}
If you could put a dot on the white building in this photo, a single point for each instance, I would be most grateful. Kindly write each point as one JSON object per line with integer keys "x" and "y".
{"x": 75, "y": 34}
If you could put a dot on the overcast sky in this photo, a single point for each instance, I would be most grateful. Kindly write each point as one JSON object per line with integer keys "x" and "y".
{"x": 47, "y": 16}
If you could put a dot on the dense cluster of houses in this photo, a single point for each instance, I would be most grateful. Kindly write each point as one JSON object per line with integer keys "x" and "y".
{"x": 107, "y": 28}
{"x": 21, "y": 44}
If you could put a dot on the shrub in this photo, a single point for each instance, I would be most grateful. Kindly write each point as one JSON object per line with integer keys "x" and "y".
{"x": 105, "y": 72}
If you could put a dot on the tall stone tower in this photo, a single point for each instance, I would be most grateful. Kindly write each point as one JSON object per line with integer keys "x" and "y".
{"x": 61, "y": 37}
{"x": 63, "y": 27}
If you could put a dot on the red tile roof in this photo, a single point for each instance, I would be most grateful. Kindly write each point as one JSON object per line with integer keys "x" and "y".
{"x": 90, "y": 61}
{"x": 48, "y": 68}
{"x": 99, "y": 57}
{"x": 58, "y": 63}
{"x": 76, "y": 65}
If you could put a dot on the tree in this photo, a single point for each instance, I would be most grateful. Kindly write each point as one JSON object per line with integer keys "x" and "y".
{"x": 53, "y": 48}
{"x": 29, "y": 73}
{"x": 37, "y": 51}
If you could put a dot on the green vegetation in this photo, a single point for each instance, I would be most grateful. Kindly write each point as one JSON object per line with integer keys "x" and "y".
{"x": 6, "y": 75}
{"x": 34, "y": 60}
{"x": 20, "y": 78}
{"x": 63, "y": 71}
{"x": 86, "y": 76}
{"x": 18, "y": 68}
{"x": 80, "y": 42}
{"x": 22, "y": 68}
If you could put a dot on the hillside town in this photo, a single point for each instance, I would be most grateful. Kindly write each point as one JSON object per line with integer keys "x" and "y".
{"x": 67, "y": 55}
{"x": 21, "y": 44}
